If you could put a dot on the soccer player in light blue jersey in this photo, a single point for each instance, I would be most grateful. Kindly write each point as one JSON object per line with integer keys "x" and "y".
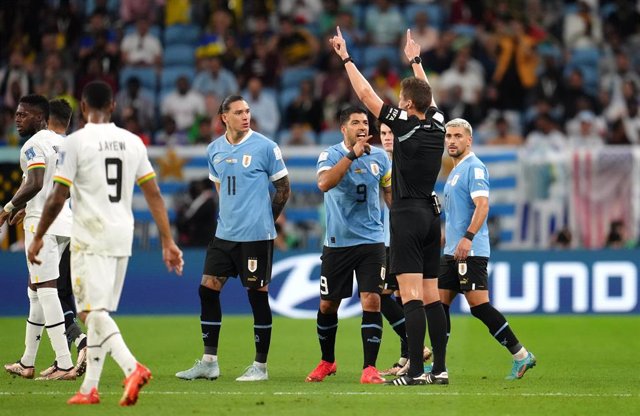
{"x": 463, "y": 268}
{"x": 242, "y": 164}
{"x": 351, "y": 174}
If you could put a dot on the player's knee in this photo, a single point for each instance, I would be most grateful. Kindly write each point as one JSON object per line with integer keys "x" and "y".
{"x": 370, "y": 301}
{"x": 328, "y": 307}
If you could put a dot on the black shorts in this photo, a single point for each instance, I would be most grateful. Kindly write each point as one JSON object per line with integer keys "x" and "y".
{"x": 339, "y": 263}
{"x": 415, "y": 238}
{"x": 390, "y": 281}
{"x": 475, "y": 276}
{"x": 251, "y": 260}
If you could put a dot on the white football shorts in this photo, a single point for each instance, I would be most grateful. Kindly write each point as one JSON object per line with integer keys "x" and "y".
{"x": 49, "y": 255}
{"x": 97, "y": 280}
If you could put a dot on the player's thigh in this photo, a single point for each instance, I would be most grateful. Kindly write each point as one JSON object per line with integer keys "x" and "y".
{"x": 473, "y": 274}
{"x": 49, "y": 256}
{"x": 370, "y": 268}
{"x": 219, "y": 258}
{"x": 96, "y": 280}
{"x": 336, "y": 273}
{"x": 254, "y": 260}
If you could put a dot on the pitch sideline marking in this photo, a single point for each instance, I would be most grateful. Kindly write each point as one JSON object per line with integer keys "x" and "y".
{"x": 395, "y": 392}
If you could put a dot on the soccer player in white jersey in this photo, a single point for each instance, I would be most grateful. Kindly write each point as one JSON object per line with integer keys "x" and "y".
{"x": 242, "y": 164}
{"x": 99, "y": 166}
{"x": 38, "y": 158}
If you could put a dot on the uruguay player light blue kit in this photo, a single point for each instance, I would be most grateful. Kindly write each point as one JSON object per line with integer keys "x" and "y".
{"x": 355, "y": 234}
{"x": 243, "y": 243}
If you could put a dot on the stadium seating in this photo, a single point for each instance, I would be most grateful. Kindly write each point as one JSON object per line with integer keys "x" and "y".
{"x": 172, "y": 73}
{"x": 292, "y": 77}
{"x": 329, "y": 137}
{"x": 147, "y": 76}
{"x": 434, "y": 11}
{"x": 181, "y": 35}
{"x": 179, "y": 55}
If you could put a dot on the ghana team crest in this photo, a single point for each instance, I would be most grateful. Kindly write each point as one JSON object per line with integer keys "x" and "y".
{"x": 375, "y": 169}
{"x": 246, "y": 160}
{"x": 252, "y": 263}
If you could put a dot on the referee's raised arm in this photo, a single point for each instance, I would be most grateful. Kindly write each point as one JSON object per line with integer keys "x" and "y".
{"x": 360, "y": 85}
{"x": 412, "y": 52}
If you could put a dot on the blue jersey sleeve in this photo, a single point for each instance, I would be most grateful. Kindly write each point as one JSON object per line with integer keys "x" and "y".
{"x": 478, "y": 181}
{"x": 276, "y": 169}
{"x": 213, "y": 175}
{"x": 327, "y": 159}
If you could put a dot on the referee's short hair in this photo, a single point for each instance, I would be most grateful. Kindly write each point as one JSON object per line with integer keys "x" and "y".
{"x": 418, "y": 91}
{"x": 98, "y": 95}
{"x": 460, "y": 122}
{"x": 38, "y": 102}
{"x": 346, "y": 113}
{"x": 60, "y": 110}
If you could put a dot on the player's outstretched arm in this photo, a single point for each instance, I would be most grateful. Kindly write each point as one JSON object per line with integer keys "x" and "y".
{"x": 412, "y": 50}
{"x": 330, "y": 178}
{"x": 52, "y": 208}
{"x": 171, "y": 254}
{"x": 360, "y": 85}
{"x": 280, "y": 198}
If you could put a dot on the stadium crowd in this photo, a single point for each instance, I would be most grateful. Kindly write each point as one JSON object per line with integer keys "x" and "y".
{"x": 520, "y": 71}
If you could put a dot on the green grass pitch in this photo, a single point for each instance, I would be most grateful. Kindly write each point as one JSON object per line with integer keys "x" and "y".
{"x": 586, "y": 365}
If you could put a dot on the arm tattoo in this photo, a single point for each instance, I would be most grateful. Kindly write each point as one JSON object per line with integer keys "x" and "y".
{"x": 281, "y": 196}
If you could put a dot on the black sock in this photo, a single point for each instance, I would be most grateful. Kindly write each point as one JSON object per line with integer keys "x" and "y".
{"x": 447, "y": 313}
{"x": 394, "y": 314}
{"x": 415, "y": 321}
{"x": 497, "y": 325}
{"x": 371, "y": 330}
{"x": 210, "y": 318}
{"x": 399, "y": 301}
{"x": 262, "y": 321}
{"x": 327, "y": 328}
{"x": 437, "y": 323}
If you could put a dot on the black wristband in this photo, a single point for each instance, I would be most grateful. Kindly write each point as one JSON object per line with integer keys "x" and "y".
{"x": 347, "y": 59}
{"x": 351, "y": 156}
{"x": 416, "y": 60}
{"x": 469, "y": 235}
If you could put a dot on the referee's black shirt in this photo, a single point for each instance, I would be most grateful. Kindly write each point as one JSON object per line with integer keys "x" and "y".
{"x": 417, "y": 151}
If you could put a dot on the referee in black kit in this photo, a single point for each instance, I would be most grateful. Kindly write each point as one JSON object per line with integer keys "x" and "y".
{"x": 418, "y": 127}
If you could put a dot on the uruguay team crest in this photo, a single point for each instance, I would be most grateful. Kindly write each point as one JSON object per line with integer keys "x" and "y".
{"x": 462, "y": 268}
{"x": 246, "y": 160}
{"x": 375, "y": 169}
{"x": 252, "y": 263}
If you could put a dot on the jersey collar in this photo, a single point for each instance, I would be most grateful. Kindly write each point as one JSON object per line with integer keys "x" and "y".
{"x": 344, "y": 147}
{"x": 465, "y": 158}
{"x": 244, "y": 139}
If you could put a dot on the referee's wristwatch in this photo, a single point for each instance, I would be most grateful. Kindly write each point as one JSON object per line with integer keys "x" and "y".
{"x": 416, "y": 60}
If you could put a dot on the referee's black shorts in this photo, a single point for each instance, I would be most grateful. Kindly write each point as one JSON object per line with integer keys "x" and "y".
{"x": 251, "y": 260}
{"x": 415, "y": 238}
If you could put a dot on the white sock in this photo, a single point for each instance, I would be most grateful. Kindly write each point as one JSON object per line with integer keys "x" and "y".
{"x": 33, "y": 333}
{"x": 402, "y": 361}
{"x": 114, "y": 343}
{"x": 261, "y": 366}
{"x": 54, "y": 319}
{"x": 95, "y": 357}
{"x": 79, "y": 339}
{"x": 521, "y": 354}
{"x": 209, "y": 358}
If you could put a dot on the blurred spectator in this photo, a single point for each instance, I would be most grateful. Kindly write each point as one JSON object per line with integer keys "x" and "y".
{"x": 631, "y": 122}
{"x": 583, "y": 28}
{"x": 131, "y": 123}
{"x": 106, "y": 54}
{"x": 8, "y": 133}
{"x": 141, "y": 48}
{"x": 305, "y": 109}
{"x": 302, "y": 11}
{"x": 465, "y": 73}
{"x": 196, "y": 217}
{"x": 517, "y": 61}
{"x": 258, "y": 30}
{"x": 616, "y": 238}
{"x": 550, "y": 85}
{"x": 385, "y": 81}
{"x": 563, "y": 239}
{"x": 285, "y": 237}
{"x": 134, "y": 101}
{"x": 94, "y": 72}
{"x": 384, "y": 23}
{"x": 328, "y": 19}
{"x": 337, "y": 99}
{"x": 264, "y": 108}
{"x": 298, "y": 136}
{"x": 295, "y": 45}
{"x": 98, "y": 31}
{"x": 625, "y": 17}
{"x": 613, "y": 82}
{"x": 202, "y": 131}
{"x": 546, "y": 139}
{"x": 588, "y": 136}
{"x": 169, "y": 134}
{"x": 259, "y": 62}
{"x": 423, "y": 33}
{"x": 213, "y": 78}
{"x": 132, "y": 10}
{"x": 48, "y": 73}
{"x": 504, "y": 135}
{"x": 15, "y": 80}
{"x": 616, "y": 134}
{"x": 349, "y": 28}
{"x": 575, "y": 96}
{"x": 183, "y": 104}
{"x": 219, "y": 40}
{"x": 439, "y": 58}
